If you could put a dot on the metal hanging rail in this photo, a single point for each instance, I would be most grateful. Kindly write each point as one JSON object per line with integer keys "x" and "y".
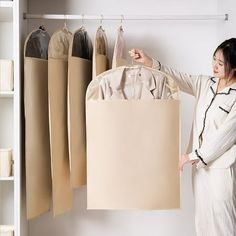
{"x": 223, "y": 17}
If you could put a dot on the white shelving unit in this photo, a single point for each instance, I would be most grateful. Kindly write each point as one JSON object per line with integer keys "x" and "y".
{"x": 10, "y": 194}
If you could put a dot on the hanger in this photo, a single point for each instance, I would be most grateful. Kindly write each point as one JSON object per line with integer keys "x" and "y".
{"x": 101, "y": 22}
{"x": 42, "y": 27}
{"x": 121, "y": 23}
{"x": 65, "y": 28}
{"x": 82, "y": 28}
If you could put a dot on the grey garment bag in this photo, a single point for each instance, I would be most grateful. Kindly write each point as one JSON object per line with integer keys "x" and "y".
{"x": 37, "y": 146}
{"x": 37, "y": 44}
{"x": 79, "y": 76}
{"x": 82, "y": 45}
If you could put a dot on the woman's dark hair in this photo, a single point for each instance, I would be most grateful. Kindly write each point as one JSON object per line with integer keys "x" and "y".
{"x": 228, "y": 48}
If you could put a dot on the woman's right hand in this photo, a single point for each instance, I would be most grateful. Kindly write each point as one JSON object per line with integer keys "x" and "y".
{"x": 141, "y": 57}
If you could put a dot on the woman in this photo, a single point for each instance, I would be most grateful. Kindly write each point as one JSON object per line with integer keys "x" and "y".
{"x": 213, "y": 139}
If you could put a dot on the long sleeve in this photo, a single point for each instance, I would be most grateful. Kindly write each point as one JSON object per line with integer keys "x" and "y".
{"x": 222, "y": 140}
{"x": 187, "y": 83}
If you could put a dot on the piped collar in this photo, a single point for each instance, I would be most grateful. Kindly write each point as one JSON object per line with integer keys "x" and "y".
{"x": 225, "y": 91}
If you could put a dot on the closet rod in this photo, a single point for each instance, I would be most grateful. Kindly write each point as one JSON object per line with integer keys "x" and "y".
{"x": 101, "y": 17}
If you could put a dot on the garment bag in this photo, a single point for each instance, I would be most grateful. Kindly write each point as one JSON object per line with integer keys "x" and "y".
{"x": 37, "y": 146}
{"x": 79, "y": 76}
{"x": 118, "y": 53}
{"x": 133, "y": 130}
{"x": 100, "y": 54}
{"x": 57, "y": 88}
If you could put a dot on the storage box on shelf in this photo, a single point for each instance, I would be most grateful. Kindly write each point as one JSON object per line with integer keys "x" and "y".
{"x": 6, "y": 75}
{"x": 6, "y": 162}
{"x": 6, "y": 230}
{"x": 6, "y": 11}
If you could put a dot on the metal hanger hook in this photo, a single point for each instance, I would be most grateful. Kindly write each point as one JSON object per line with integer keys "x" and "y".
{"x": 82, "y": 19}
{"x": 65, "y": 23}
{"x": 122, "y": 19}
{"x": 101, "y": 19}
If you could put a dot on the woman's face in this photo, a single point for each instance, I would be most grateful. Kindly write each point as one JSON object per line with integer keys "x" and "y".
{"x": 218, "y": 65}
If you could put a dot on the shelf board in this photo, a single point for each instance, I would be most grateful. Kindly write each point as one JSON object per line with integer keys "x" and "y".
{"x": 11, "y": 178}
{"x": 6, "y": 94}
{"x": 9, "y": 227}
{"x": 6, "y": 11}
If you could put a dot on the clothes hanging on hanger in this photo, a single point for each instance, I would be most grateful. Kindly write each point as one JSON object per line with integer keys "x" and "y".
{"x": 57, "y": 89}
{"x": 82, "y": 46}
{"x": 118, "y": 53}
{"x": 100, "y": 53}
{"x": 132, "y": 82}
{"x": 37, "y": 44}
{"x": 136, "y": 82}
{"x": 37, "y": 146}
{"x": 79, "y": 76}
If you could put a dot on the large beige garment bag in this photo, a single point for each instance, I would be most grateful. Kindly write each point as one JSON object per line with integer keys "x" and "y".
{"x": 57, "y": 88}
{"x": 100, "y": 53}
{"x": 79, "y": 76}
{"x": 37, "y": 146}
{"x": 133, "y": 146}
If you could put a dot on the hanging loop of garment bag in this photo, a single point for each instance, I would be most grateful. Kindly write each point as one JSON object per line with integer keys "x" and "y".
{"x": 37, "y": 144}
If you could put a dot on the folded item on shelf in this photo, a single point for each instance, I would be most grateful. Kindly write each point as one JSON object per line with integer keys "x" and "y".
{"x": 5, "y": 162}
{"x": 6, "y": 75}
{"x": 6, "y": 230}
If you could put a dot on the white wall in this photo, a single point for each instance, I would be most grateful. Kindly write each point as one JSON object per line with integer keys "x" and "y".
{"x": 227, "y": 29}
{"x": 185, "y": 45}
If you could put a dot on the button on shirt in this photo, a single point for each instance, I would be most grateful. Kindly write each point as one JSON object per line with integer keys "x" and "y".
{"x": 214, "y": 125}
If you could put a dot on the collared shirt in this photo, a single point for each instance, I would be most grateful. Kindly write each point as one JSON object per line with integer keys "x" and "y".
{"x": 214, "y": 125}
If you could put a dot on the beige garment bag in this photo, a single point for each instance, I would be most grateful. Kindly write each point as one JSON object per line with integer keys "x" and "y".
{"x": 57, "y": 88}
{"x": 118, "y": 53}
{"x": 79, "y": 76}
{"x": 133, "y": 148}
{"x": 37, "y": 146}
{"x": 100, "y": 53}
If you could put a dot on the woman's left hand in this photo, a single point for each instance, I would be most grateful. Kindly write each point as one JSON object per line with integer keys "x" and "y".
{"x": 184, "y": 160}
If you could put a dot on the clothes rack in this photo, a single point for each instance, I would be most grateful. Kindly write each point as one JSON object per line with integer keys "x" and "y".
{"x": 224, "y": 17}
